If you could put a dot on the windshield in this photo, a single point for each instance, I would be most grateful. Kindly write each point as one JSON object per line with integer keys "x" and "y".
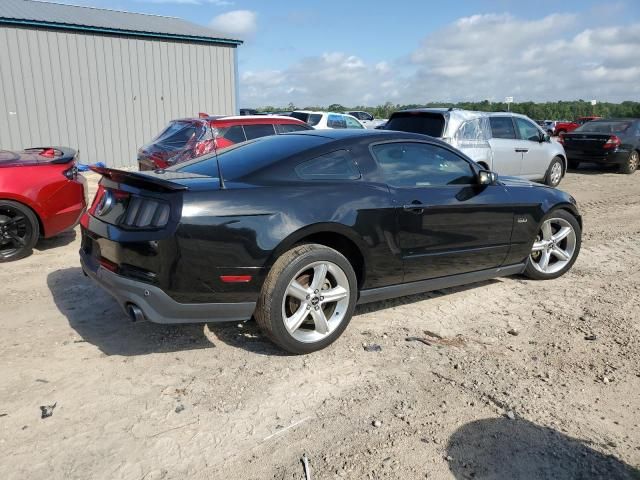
{"x": 241, "y": 160}
{"x": 426, "y": 123}
{"x": 597, "y": 126}
{"x": 309, "y": 118}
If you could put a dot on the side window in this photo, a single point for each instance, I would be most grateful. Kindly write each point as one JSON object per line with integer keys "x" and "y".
{"x": 257, "y": 131}
{"x": 502, "y": 127}
{"x": 352, "y": 123}
{"x": 234, "y": 134}
{"x": 336, "y": 121}
{"x": 336, "y": 165}
{"x": 421, "y": 165}
{"x": 291, "y": 127}
{"x": 527, "y": 130}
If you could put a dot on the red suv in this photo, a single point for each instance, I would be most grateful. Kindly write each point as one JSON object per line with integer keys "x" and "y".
{"x": 189, "y": 138}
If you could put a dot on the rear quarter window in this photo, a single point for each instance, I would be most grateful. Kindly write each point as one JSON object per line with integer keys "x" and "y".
{"x": 336, "y": 165}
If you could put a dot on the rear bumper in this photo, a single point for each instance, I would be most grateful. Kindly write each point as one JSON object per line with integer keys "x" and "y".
{"x": 156, "y": 305}
{"x": 612, "y": 158}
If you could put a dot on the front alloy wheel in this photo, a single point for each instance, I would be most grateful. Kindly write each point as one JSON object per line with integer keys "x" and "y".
{"x": 556, "y": 246}
{"x": 307, "y": 299}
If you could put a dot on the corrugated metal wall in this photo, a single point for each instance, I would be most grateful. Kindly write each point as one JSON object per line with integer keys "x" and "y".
{"x": 105, "y": 95}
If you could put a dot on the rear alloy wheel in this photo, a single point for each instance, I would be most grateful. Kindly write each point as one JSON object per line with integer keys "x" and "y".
{"x": 631, "y": 165}
{"x": 308, "y": 298}
{"x": 556, "y": 247}
{"x": 554, "y": 173}
{"x": 19, "y": 230}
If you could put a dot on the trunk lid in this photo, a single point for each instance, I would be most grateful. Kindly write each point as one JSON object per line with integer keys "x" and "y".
{"x": 586, "y": 142}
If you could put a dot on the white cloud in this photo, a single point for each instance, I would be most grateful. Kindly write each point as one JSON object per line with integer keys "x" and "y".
{"x": 474, "y": 58}
{"x": 240, "y": 23}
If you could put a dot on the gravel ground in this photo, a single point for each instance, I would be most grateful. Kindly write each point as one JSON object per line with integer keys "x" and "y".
{"x": 517, "y": 379}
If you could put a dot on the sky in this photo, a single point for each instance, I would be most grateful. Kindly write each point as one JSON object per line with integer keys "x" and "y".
{"x": 358, "y": 52}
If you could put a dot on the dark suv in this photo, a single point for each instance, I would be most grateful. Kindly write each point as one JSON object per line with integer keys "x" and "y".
{"x": 190, "y": 138}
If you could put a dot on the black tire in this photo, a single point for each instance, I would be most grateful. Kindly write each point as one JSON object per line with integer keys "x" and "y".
{"x": 549, "y": 178}
{"x": 631, "y": 164}
{"x": 19, "y": 230}
{"x": 573, "y": 164}
{"x": 531, "y": 271}
{"x": 269, "y": 310}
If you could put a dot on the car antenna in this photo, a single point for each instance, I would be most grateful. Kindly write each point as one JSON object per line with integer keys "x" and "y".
{"x": 215, "y": 152}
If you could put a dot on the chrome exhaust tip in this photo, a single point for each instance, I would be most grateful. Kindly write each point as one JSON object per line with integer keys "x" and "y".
{"x": 135, "y": 313}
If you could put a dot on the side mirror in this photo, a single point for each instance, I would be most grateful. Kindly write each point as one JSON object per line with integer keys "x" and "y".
{"x": 487, "y": 177}
{"x": 543, "y": 137}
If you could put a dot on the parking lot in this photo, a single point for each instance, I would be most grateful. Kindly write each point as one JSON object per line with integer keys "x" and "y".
{"x": 456, "y": 369}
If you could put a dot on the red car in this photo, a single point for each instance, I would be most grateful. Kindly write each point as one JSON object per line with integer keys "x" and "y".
{"x": 41, "y": 195}
{"x": 189, "y": 138}
{"x": 565, "y": 127}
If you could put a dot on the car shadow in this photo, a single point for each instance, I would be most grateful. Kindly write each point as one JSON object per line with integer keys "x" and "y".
{"x": 99, "y": 320}
{"x": 60, "y": 240}
{"x": 501, "y": 448}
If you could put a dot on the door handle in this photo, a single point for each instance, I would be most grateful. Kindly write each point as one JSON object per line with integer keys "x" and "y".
{"x": 522, "y": 150}
{"x": 416, "y": 207}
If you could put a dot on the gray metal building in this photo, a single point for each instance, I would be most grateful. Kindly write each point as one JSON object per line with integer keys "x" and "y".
{"x": 103, "y": 81}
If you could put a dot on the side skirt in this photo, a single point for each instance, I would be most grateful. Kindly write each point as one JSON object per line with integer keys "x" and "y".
{"x": 400, "y": 290}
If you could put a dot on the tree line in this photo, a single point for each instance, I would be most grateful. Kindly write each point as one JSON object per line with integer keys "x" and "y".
{"x": 561, "y": 110}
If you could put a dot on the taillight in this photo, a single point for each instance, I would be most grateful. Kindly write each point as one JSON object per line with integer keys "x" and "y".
{"x": 139, "y": 212}
{"x": 613, "y": 142}
{"x": 71, "y": 173}
{"x": 146, "y": 213}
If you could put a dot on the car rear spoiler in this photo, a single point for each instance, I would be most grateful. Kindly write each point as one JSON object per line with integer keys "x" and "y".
{"x": 140, "y": 180}
{"x": 51, "y": 153}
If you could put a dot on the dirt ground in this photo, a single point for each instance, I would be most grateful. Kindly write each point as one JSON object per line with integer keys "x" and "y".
{"x": 529, "y": 380}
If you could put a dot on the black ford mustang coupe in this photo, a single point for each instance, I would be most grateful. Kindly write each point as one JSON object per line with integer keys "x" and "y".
{"x": 296, "y": 229}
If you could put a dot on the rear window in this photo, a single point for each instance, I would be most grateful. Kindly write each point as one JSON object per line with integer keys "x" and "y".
{"x": 239, "y": 161}
{"x": 431, "y": 124}
{"x": 177, "y": 134}
{"x": 309, "y": 118}
{"x": 596, "y": 126}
